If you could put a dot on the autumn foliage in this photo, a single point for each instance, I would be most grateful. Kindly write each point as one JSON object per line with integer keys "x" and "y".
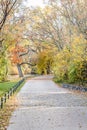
{"x": 61, "y": 24}
{"x": 16, "y": 52}
{"x": 70, "y": 64}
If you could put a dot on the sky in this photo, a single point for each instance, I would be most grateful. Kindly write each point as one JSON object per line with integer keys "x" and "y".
{"x": 35, "y": 3}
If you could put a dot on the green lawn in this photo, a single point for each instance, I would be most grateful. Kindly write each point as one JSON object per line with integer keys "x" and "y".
{"x": 5, "y": 86}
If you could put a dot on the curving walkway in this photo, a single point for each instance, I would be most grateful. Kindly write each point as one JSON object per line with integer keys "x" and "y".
{"x": 45, "y": 106}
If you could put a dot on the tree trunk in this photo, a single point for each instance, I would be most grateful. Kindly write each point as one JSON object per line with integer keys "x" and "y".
{"x": 19, "y": 70}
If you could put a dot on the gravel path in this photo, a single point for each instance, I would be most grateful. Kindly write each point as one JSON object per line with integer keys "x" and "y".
{"x": 45, "y": 106}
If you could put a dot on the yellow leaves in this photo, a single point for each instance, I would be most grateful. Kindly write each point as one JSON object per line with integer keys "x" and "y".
{"x": 71, "y": 62}
{"x": 48, "y": 10}
{"x": 78, "y": 40}
{"x": 45, "y": 60}
{"x": 36, "y": 18}
{"x": 78, "y": 47}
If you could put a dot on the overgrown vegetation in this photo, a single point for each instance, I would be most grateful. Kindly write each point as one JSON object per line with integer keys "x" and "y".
{"x": 70, "y": 64}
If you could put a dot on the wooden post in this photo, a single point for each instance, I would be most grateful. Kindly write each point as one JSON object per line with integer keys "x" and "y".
{"x": 10, "y": 92}
{"x": 5, "y": 97}
{"x": 1, "y": 102}
{"x": 8, "y": 95}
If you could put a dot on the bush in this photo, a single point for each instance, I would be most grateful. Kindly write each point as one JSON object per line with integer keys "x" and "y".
{"x": 71, "y": 62}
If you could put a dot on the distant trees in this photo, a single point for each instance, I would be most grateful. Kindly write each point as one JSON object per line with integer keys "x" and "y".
{"x": 45, "y": 60}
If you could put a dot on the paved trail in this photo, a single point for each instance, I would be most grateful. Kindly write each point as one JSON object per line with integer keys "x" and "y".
{"x": 45, "y": 106}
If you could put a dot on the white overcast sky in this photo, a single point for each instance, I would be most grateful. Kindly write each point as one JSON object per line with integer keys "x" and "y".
{"x": 35, "y": 3}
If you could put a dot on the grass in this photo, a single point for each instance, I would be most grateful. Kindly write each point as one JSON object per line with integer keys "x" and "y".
{"x": 5, "y": 86}
{"x": 10, "y": 106}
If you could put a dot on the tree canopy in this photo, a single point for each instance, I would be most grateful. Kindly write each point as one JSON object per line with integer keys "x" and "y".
{"x": 52, "y": 39}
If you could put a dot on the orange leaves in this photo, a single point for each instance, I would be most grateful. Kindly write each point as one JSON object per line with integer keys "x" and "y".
{"x": 16, "y": 59}
{"x": 15, "y": 54}
{"x": 18, "y": 49}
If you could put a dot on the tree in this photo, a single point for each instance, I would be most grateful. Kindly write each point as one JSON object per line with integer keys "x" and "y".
{"x": 16, "y": 58}
{"x": 6, "y": 7}
{"x": 45, "y": 26}
{"x": 20, "y": 55}
{"x": 74, "y": 14}
{"x": 70, "y": 65}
